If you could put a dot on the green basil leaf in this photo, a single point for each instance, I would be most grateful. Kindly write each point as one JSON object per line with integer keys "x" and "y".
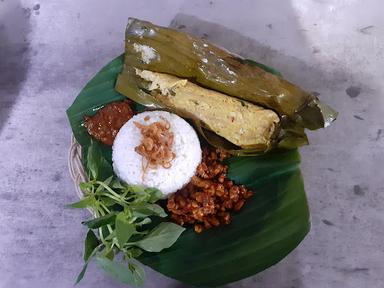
{"x": 136, "y": 189}
{"x": 88, "y": 201}
{"x": 161, "y": 237}
{"x": 138, "y": 273}
{"x": 145, "y": 221}
{"x": 86, "y": 186}
{"x": 101, "y": 221}
{"x": 124, "y": 229}
{"x": 98, "y": 167}
{"x": 81, "y": 274}
{"x": 108, "y": 201}
{"x": 90, "y": 249}
{"x": 99, "y": 189}
{"x": 146, "y": 209}
{"x": 155, "y": 194}
{"x": 108, "y": 180}
{"x": 117, "y": 271}
{"x": 133, "y": 252}
{"x": 90, "y": 244}
{"x": 143, "y": 194}
{"x": 116, "y": 184}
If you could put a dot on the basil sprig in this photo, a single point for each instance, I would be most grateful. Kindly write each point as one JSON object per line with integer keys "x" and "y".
{"x": 123, "y": 222}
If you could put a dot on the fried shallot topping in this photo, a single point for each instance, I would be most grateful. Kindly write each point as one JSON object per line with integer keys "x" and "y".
{"x": 156, "y": 144}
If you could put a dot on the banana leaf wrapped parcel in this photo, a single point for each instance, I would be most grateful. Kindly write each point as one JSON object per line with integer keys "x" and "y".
{"x": 173, "y": 70}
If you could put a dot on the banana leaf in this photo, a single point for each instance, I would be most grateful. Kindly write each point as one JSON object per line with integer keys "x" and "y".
{"x": 272, "y": 223}
{"x": 161, "y": 49}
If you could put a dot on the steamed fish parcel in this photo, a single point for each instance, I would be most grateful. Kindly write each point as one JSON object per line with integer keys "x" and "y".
{"x": 243, "y": 124}
{"x": 165, "y": 50}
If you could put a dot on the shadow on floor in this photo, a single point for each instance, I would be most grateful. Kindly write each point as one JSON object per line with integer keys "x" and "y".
{"x": 14, "y": 54}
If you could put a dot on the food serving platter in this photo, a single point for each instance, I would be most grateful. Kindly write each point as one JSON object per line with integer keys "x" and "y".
{"x": 272, "y": 223}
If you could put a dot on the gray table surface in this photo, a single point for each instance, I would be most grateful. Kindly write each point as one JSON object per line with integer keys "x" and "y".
{"x": 50, "y": 49}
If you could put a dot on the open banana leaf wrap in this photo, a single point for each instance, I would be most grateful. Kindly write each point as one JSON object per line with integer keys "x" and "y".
{"x": 160, "y": 49}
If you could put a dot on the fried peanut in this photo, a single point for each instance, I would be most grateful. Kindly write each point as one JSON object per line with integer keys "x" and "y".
{"x": 209, "y": 198}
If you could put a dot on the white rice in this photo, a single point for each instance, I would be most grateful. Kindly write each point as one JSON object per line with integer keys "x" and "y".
{"x": 127, "y": 164}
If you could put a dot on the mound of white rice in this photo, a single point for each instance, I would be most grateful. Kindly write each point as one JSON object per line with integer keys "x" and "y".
{"x": 127, "y": 164}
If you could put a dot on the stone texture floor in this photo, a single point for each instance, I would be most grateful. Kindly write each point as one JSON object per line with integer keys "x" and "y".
{"x": 50, "y": 49}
